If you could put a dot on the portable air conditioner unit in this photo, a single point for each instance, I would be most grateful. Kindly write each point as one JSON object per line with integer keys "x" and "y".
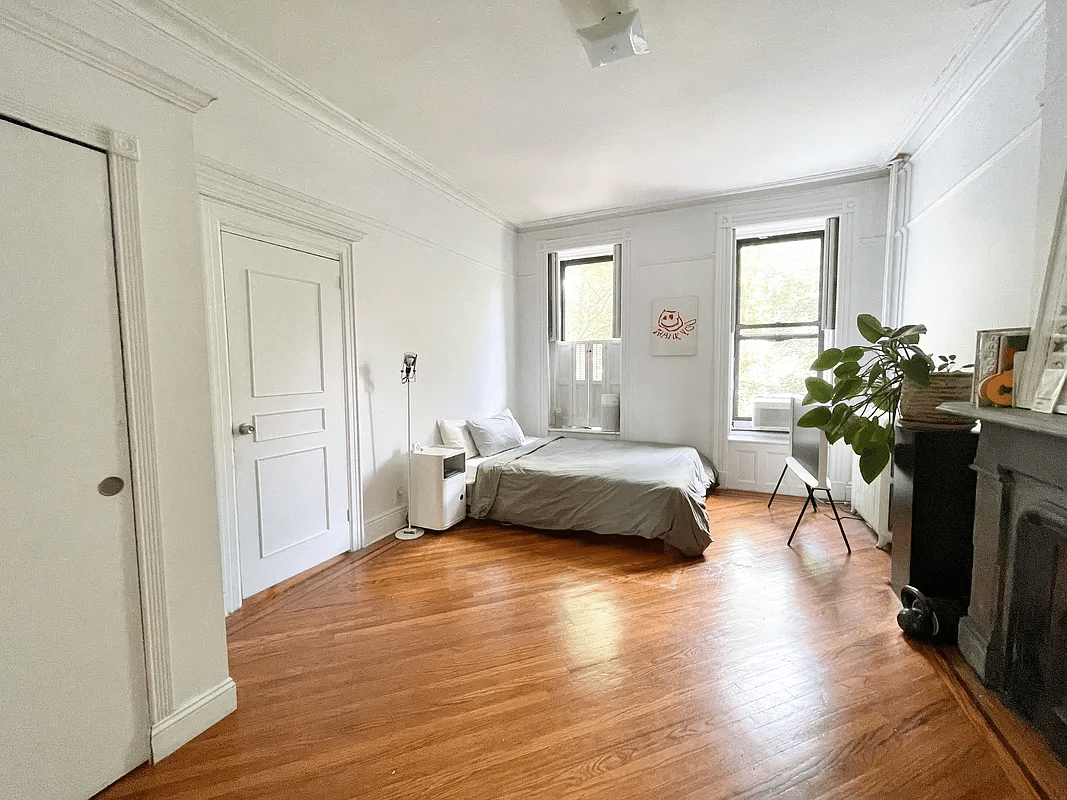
{"x": 772, "y": 412}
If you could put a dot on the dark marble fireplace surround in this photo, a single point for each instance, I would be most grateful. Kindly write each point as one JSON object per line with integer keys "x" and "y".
{"x": 1015, "y": 631}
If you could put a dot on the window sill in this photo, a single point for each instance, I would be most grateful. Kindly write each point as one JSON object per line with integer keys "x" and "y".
{"x": 766, "y": 437}
{"x": 597, "y": 433}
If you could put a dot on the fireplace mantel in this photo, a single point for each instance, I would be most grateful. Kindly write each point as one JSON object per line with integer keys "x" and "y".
{"x": 1014, "y": 627}
{"x": 1033, "y": 421}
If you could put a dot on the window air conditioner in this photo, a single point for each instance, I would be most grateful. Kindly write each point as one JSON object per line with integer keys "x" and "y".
{"x": 772, "y": 412}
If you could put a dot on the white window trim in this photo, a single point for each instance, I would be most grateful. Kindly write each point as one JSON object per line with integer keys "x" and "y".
{"x": 747, "y": 218}
{"x": 818, "y": 226}
{"x": 570, "y": 244}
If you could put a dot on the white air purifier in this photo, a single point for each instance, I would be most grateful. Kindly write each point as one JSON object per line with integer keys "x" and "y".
{"x": 609, "y": 412}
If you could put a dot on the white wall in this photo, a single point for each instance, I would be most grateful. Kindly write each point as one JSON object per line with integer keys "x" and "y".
{"x": 969, "y": 255}
{"x": 1053, "y": 161}
{"x": 672, "y": 253}
{"x": 434, "y": 274}
{"x": 64, "y": 88}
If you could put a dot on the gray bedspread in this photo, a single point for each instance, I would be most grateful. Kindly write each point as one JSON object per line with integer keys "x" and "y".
{"x": 632, "y": 488}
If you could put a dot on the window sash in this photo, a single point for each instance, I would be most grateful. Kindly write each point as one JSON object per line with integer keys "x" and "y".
{"x": 785, "y": 331}
{"x": 557, "y": 298}
{"x": 746, "y": 331}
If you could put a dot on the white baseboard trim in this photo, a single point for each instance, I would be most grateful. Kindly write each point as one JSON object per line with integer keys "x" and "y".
{"x": 377, "y": 528}
{"x": 192, "y": 719}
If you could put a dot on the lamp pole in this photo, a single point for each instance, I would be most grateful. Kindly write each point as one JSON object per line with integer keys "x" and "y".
{"x": 407, "y": 376}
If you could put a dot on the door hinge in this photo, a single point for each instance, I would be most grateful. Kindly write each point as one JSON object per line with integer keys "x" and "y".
{"x": 338, "y": 281}
{"x": 350, "y": 515}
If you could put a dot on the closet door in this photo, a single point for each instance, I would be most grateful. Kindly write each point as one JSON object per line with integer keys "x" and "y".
{"x": 74, "y": 705}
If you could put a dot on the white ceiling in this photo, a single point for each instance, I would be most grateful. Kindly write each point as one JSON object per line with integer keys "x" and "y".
{"x": 499, "y": 95}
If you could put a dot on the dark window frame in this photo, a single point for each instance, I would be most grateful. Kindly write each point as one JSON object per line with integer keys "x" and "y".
{"x": 608, "y": 258}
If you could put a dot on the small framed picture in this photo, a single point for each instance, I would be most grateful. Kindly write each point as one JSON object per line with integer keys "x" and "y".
{"x": 998, "y": 358}
{"x": 1050, "y": 386}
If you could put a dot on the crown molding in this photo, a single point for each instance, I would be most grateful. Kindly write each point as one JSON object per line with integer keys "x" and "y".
{"x": 42, "y": 27}
{"x": 716, "y": 198}
{"x": 212, "y": 46}
{"x": 997, "y": 36}
{"x": 220, "y": 181}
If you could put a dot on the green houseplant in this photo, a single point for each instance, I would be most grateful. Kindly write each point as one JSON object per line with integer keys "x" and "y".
{"x": 860, "y": 405}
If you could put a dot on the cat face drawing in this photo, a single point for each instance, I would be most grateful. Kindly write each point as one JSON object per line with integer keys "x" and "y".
{"x": 670, "y": 325}
{"x": 670, "y": 320}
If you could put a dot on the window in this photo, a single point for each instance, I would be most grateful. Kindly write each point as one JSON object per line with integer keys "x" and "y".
{"x": 784, "y": 299}
{"x": 587, "y": 298}
{"x": 585, "y": 347}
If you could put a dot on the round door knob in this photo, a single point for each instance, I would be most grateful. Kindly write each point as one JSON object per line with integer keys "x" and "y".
{"x": 246, "y": 428}
{"x": 111, "y": 486}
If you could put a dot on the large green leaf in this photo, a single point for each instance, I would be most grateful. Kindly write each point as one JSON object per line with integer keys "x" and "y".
{"x": 873, "y": 460}
{"x": 827, "y": 358}
{"x": 853, "y": 387}
{"x": 917, "y": 369}
{"x": 909, "y": 330}
{"x": 815, "y": 418}
{"x": 846, "y": 368}
{"x": 854, "y": 353}
{"x": 869, "y": 327}
{"x": 853, "y": 425}
{"x": 863, "y": 436}
{"x": 819, "y": 390}
{"x": 846, "y": 388}
{"x": 839, "y": 421}
{"x": 840, "y": 413}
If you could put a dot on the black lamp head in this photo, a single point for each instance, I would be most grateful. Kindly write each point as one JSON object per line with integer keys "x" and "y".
{"x": 407, "y": 372}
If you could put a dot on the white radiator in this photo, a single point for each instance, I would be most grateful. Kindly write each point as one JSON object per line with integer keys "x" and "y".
{"x": 871, "y": 501}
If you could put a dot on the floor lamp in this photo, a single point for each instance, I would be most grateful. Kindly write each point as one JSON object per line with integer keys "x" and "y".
{"x": 407, "y": 377}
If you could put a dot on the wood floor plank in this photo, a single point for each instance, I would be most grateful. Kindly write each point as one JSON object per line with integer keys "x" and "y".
{"x": 494, "y": 662}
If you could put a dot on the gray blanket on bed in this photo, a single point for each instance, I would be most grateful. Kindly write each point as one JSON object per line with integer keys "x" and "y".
{"x": 633, "y": 488}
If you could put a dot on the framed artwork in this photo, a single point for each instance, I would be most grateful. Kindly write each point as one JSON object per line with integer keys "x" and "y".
{"x": 999, "y": 356}
{"x": 674, "y": 326}
{"x": 1047, "y": 350}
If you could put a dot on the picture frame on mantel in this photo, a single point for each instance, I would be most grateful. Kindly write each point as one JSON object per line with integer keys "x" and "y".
{"x": 1048, "y": 338}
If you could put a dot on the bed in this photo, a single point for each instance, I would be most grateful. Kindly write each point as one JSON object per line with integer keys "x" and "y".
{"x": 643, "y": 489}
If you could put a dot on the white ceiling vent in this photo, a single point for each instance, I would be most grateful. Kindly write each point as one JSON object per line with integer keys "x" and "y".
{"x": 614, "y": 38}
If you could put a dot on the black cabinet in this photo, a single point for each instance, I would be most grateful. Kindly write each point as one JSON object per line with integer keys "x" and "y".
{"x": 931, "y": 513}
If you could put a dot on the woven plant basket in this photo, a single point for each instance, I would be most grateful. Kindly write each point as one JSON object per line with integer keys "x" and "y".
{"x": 918, "y": 404}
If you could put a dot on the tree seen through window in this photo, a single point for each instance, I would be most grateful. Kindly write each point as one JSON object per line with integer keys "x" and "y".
{"x": 588, "y": 299}
{"x": 778, "y": 333}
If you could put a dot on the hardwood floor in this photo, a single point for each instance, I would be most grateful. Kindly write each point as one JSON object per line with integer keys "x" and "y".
{"x": 496, "y": 662}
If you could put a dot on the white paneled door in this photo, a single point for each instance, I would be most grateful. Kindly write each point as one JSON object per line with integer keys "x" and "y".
{"x": 287, "y": 394}
{"x": 73, "y": 690}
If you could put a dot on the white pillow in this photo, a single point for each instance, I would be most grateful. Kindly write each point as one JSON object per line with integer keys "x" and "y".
{"x": 495, "y": 434}
{"x": 454, "y": 433}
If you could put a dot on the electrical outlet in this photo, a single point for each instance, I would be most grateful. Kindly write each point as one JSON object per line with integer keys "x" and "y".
{"x": 400, "y": 494}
